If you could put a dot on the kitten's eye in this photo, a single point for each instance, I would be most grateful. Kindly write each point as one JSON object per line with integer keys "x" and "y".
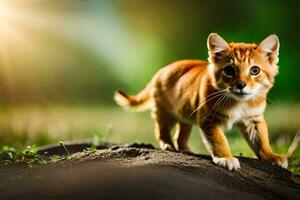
{"x": 254, "y": 70}
{"x": 229, "y": 70}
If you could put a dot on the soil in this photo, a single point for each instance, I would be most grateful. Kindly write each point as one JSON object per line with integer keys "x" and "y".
{"x": 139, "y": 171}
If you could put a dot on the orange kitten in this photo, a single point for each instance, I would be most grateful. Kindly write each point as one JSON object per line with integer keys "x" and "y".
{"x": 230, "y": 89}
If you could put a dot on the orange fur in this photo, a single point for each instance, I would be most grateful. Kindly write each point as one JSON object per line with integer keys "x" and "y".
{"x": 214, "y": 95}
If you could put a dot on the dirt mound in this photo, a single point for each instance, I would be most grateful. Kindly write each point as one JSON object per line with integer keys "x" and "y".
{"x": 139, "y": 171}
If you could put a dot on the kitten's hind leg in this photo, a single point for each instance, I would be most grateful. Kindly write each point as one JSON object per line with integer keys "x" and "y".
{"x": 164, "y": 122}
{"x": 181, "y": 136}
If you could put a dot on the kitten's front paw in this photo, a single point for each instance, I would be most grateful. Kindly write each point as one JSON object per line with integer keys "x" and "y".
{"x": 229, "y": 163}
{"x": 166, "y": 146}
{"x": 280, "y": 160}
{"x": 284, "y": 164}
{"x": 276, "y": 159}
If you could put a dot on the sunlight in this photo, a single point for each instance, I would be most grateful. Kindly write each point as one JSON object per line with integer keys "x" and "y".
{"x": 5, "y": 9}
{"x": 28, "y": 29}
{"x": 7, "y": 36}
{"x": 10, "y": 40}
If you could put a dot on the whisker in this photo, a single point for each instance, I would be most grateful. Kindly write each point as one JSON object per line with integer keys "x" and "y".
{"x": 208, "y": 98}
{"x": 215, "y": 105}
{"x": 260, "y": 94}
{"x": 219, "y": 104}
{"x": 218, "y": 92}
{"x": 228, "y": 98}
{"x": 217, "y": 95}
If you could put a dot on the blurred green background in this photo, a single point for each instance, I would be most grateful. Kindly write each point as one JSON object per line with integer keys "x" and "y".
{"x": 61, "y": 60}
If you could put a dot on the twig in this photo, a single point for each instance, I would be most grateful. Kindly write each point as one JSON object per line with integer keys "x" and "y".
{"x": 294, "y": 144}
{"x": 63, "y": 145}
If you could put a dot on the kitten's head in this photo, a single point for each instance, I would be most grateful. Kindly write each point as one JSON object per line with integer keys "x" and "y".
{"x": 245, "y": 71}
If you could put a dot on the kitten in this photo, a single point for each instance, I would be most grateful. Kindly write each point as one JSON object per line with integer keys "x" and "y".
{"x": 230, "y": 89}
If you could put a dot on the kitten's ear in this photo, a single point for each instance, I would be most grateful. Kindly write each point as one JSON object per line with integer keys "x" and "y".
{"x": 216, "y": 43}
{"x": 270, "y": 47}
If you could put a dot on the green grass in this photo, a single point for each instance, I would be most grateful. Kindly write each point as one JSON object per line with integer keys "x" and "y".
{"x": 28, "y": 155}
{"x": 28, "y": 125}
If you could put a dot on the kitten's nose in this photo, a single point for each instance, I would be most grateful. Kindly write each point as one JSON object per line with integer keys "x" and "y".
{"x": 240, "y": 85}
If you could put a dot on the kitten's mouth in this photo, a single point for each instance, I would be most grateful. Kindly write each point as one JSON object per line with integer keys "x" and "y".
{"x": 239, "y": 93}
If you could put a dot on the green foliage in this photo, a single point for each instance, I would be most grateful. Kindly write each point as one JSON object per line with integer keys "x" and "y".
{"x": 91, "y": 149}
{"x": 294, "y": 165}
{"x": 55, "y": 158}
{"x": 29, "y": 155}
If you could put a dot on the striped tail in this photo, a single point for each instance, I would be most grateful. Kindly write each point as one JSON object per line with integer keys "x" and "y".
{"x": 138, "y": 103}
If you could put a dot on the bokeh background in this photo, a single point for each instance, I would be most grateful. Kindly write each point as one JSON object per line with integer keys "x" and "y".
{"x": 61, "y": 60}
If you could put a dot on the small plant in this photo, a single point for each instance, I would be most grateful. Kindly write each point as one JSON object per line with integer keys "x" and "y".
{"x": 64, "y": 146}
{"x": 8, "y": 154}
{"x": 55, "y": 158}
{"x": 91, "y": 149}
{"x": 29, "y": 155}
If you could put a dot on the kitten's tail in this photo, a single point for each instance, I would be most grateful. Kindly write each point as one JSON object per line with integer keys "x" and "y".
{"x": 140, "y": 102}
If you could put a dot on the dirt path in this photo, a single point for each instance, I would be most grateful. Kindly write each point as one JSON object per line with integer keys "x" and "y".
{"x": 142, "y": 172}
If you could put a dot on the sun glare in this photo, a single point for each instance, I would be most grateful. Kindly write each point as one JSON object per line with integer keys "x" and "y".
{"x": 4, "y": 8}
{"x": 11, "y": 39}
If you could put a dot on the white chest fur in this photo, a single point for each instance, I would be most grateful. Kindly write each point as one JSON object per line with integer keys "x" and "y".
{"x": 243, "y": 111}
